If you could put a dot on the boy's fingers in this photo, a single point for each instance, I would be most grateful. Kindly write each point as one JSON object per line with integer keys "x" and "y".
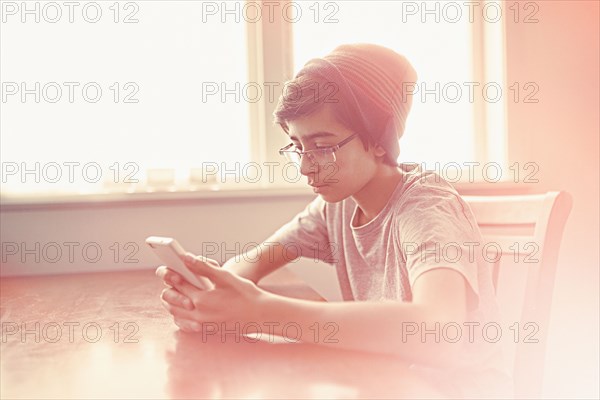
{"x": 173, "y": 297}
{"x": 161, "y": 271}
{"x": 169, "y": 276}
{"x": 187, "y": 325}
{"x": 186, "y": 289}
{"x": 205, "y": 267}
{"x": 178, "y": 312}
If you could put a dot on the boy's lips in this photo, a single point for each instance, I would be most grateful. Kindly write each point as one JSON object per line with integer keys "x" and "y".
{"x": 316, "y": 185}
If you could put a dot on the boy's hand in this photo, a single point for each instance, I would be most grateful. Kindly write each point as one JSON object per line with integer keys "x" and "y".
{"x": 234, "y": 299}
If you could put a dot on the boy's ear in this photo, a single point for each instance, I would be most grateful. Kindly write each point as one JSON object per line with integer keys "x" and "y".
{"x": 378, "y": 151}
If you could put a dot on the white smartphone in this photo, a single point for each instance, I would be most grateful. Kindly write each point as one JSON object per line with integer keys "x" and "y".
{"x": 171, "y": 253}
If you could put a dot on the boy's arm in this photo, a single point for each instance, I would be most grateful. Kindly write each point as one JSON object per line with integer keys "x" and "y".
{"x": 260, "y": 261}
{"x": 410, "y": 330}
{"x": 395, "y": 328}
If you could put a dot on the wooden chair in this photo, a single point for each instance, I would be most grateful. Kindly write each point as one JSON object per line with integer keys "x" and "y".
{"x": 528, "y": 228}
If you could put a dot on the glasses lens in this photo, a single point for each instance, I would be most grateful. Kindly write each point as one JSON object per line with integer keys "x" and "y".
{"x": 323, "y": 157}
{"x": 292, "y": 156}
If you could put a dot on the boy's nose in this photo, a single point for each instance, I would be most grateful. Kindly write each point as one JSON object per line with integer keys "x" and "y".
{"x": 307, "y": 166}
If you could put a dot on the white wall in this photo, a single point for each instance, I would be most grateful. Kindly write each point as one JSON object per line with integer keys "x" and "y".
{"x": 195, "y": 224}
{"x": 226, "y": 224}
{"x": 561, "y": 134}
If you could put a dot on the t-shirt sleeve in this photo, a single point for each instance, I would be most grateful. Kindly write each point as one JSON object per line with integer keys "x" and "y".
{"x": 438, "y": 230}
{"x": 306, "y": 234}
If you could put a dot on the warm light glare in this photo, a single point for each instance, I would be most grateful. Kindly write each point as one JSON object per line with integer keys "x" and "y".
{"x": 448, "y": 125}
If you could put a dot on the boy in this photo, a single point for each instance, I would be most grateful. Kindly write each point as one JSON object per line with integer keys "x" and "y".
{"x": 381, "y": 224}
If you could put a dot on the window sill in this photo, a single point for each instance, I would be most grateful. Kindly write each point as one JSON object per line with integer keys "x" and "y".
{"x": 227, "y": 193}
{"x": 98, "y": 200}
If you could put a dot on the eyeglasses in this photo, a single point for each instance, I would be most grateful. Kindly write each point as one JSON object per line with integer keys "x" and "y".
{"x": 321, "y": 155}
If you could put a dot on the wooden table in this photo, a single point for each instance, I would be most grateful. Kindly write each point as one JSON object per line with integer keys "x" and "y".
{"x": 106, "y": 335}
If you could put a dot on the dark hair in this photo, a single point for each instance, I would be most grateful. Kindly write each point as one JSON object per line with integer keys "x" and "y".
{"x": 308, "y": 93}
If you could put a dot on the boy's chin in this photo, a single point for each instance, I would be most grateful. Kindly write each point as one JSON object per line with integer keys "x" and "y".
{"x": 331, "y": 196}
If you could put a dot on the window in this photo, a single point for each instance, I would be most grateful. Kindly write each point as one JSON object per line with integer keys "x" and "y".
{"x": 97, "y": 96}
{"x": 137, "y": 75}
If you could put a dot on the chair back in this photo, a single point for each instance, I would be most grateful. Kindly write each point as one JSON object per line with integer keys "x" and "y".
{"x": 523, "y": 232}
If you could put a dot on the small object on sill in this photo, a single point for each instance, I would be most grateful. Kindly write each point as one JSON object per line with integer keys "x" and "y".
{"x": 160, "y": 180}
{"x": 202, "y": 177}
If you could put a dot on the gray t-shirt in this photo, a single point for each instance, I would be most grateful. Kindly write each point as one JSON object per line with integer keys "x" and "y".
{"x": 424, "y": 225}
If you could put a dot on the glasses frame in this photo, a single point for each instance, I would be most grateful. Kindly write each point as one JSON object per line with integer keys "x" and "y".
{"x": 312, "y": 153}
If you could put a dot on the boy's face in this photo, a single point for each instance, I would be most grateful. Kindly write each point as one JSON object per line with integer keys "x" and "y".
{"x": 353, "y": 168}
